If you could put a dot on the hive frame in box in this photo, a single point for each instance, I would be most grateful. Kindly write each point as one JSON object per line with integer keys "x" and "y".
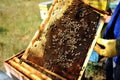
{"x": 9, "y": 64}
{"x": 13, "y": 72}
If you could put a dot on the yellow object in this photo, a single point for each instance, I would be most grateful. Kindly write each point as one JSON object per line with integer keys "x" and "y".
{"x": 101, "y": 4}
{"x": 106, "y": 47}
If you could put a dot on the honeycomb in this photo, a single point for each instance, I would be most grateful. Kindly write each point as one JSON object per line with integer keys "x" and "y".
{"x": 68, "y": 39}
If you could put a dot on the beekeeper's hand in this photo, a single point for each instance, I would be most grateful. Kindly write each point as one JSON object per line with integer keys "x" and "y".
{"x": 105, "y": 47}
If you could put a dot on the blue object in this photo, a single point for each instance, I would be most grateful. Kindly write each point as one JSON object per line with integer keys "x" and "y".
{"x": 113, "y": 29}
{"x": 4, "y": 76}
{"x": 94, "y": 57}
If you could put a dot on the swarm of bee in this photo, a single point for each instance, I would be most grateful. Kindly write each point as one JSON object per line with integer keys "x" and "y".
{"x": 66, "y": 38}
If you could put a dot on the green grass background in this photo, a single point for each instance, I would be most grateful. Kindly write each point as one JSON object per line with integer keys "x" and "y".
{"x": 19, "y": 20}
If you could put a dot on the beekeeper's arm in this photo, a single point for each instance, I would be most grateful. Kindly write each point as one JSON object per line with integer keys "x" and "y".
{"x": 108, "y": 48}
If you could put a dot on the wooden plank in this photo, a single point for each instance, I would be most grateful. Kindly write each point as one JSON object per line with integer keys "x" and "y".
{"x": 12, "y": 72}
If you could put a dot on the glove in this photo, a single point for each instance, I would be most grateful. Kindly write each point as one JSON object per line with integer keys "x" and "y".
{"x": 106, "y": 47}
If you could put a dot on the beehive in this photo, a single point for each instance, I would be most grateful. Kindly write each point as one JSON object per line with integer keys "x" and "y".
{"x": 44, "y": 7}
{"x": 62, "y": 45}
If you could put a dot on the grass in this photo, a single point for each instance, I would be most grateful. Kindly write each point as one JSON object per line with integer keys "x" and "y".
{"x": 19, "y": 20}
{"x": 95, "y": 71}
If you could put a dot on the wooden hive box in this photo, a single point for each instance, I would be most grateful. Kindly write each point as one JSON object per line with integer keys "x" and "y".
{"x": 61, "y": 47}
{"x": 44, "y": 7}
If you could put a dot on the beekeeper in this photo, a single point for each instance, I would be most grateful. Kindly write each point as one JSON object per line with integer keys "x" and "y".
{"x": 109, "y": 46}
